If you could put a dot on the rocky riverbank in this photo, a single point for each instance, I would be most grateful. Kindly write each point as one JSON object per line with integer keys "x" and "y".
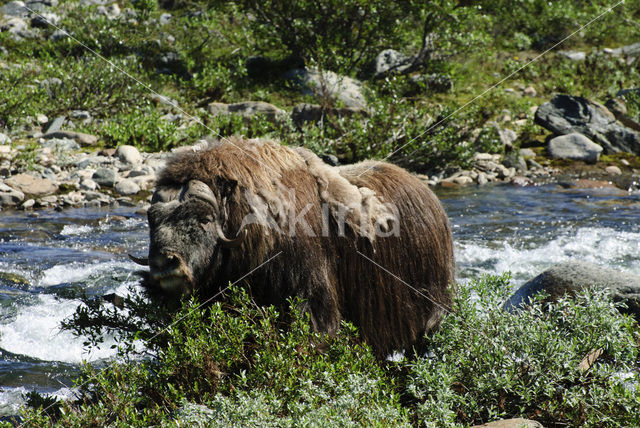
{"x": 59, "y": 173}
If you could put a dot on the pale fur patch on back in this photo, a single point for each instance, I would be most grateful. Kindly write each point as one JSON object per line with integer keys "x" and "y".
{"x": 359, "y": 207}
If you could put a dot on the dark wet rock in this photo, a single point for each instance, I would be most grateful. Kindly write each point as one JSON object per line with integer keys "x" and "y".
{"x": 574, "y": 146}
{"x": 572, "y": 277}
{"x": 263, "y": 68}
{"x": 105, "y": 177}
{"x": 44, "y": 20}
{"x": 566, "y": 114}
{"x": 584, "y": 183}
{"x": 330, "y": 159}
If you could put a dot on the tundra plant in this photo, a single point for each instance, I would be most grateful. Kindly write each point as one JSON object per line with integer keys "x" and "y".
{"x": 234, "y": 363}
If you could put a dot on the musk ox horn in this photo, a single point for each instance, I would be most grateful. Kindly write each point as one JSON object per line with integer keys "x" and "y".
{"x": 142, "y": 261}
{"x": 229, "y": 243}
{"x": 197, "y": 189}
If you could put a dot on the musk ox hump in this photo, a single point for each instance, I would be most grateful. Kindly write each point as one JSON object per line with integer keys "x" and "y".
{"x": 359, "y": 207}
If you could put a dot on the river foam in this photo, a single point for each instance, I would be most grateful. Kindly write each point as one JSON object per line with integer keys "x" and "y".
{"x": 35, "y": 332}
{"x": 603, "y": 246}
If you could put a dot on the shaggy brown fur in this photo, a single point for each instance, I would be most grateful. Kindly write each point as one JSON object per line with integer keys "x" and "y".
{"x": 335, "y": 281}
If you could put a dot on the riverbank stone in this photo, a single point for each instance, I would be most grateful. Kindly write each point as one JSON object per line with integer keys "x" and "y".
{"x": 105, "y": 177}
{"x": 566, "y": 114}
{"x": 81, "y": 138}
{"x": 31, "y": 185}
{"x": 9, "y": 196}
{"x": 129, "y": 155}
{"x": 574, "y": 146}
{"x": 572, "y": 277}
{"x": 127, "y": 187}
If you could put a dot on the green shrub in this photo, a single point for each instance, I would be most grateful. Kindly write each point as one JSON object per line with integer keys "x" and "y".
{"x": 258, "y": 366}
{"x": 252, "y": 365}
{"x": 488, "y": 364}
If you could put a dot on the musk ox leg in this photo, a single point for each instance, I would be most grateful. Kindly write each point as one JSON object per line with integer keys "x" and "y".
{"x": 320, "y": 301}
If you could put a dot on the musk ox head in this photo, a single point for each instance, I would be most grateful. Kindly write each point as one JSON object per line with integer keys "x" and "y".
{"x": 186, "y": 235}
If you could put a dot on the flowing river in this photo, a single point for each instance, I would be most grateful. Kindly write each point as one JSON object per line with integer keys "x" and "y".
{"x": 49, "y": 259}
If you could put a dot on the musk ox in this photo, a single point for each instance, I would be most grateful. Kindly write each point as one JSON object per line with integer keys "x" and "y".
{"x": 368, "y": 243}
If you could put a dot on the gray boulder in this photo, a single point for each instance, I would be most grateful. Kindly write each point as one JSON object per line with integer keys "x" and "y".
{"x": 129, "y": 155}
{"x": 18, "y": 28}
{"x": 390, "y": 60}
{"x": 31, "y": 185}
{"x": 566, "y": 114}
{"x": 327, "y": 85}
{"x": 618, "y": 107}
{"x": 80, "y": 137}
{"x": 14, "y": 8}
{"x": 507, "y": 137}
{"x": 632, "y": 50}
{"x": 304, "y": 112}
{"x": 572, "y": 55}
{"x": 55, "y": 124}
{"x": 574, "y": 146}
{"x": 9, "y": 196}
{"x": 571, "y": 277}
{"x": 247, "y": 109}
{"x": 127, "y": 187}
{"x": 105, "y": 177}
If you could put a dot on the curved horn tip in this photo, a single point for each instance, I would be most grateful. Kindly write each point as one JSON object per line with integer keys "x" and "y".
{"x": 230, "y": 243}
{"x": 142, "y": 261}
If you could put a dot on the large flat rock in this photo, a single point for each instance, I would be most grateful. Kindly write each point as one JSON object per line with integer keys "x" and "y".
{"x": 571, "y": 277}
{"x": 31, "y": 185}
{"x": 566, "y": 114}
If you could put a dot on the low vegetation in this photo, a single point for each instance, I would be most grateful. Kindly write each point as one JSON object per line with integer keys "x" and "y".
{"x": 120, "y": 69}
{"x": 253, "y": 366}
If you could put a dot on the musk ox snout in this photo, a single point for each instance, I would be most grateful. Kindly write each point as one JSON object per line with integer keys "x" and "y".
{"x": 169, "y": 272}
